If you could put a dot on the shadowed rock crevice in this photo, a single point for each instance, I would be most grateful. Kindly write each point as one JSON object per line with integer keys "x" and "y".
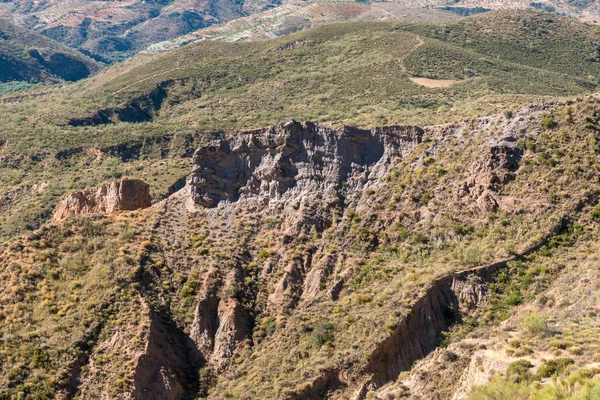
{"x": 168, "y": 369}
{"x": 320, "y": 387}
{"x": 143, "y": 108}
{"x": 221, "y": 323}
{"x": 170, "y": 364}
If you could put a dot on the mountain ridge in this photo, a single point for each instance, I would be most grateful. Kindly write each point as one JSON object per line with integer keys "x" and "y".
{"x": 117, "y": 30}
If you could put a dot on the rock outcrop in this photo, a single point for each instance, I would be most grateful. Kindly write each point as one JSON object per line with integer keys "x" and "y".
{"x": 480, "y": 371}
{"x": 123, "y": 195}
{"x": 303, "y": 175}
{"x": 290, "y": 161}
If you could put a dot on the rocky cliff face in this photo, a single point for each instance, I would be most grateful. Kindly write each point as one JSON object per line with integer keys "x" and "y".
{"x": 321, "y": 193}
{"x": 123, "y": 195}
{"x": 299, "y": 177}
{"x": 291, "y": 161}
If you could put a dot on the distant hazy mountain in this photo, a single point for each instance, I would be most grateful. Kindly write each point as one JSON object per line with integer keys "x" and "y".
{"x": 115, "y": 30}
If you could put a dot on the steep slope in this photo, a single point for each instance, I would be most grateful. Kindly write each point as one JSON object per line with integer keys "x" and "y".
{"x": 31, "y": 57}
{"x": 301, "y": 261}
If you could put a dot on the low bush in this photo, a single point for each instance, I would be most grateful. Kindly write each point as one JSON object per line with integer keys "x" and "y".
{"x": 554, "y": 367}
{"x": 534, "y": 324}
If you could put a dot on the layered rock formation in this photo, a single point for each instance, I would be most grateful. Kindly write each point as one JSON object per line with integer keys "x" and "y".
{"x": 291, "y": 161}
{"x": 123, "y": 195}
{"x": 305, "y": 178}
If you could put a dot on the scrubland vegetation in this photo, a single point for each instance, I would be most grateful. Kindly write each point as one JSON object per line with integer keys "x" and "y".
{"x": 90, "y": 288}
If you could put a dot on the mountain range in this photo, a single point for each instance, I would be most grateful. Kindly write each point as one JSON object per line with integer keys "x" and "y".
{"x": 114, "y": 30}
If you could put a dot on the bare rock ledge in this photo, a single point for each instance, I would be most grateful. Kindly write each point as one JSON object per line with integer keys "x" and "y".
{"x": 123, "y": 195}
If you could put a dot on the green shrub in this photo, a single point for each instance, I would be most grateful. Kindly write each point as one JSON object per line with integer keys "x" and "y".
{"x": 323, "y": 334}
{"x": 518, "y": 371}
{"x": 364, "y": 298}
{"x": 514, "y": 298}
{"x": 127, "y": 234}
{"x": 402, "y": 232}
{"x": 534, "y": 324}
{"x": 595, "y": 214}
{"x": 120, "y": 384}
{"x": 190, "y": 288}
{"x": 40, "y": 359}
{"x": 269, "y": 325}
{"x": 554, "y": 367}
{"x": 262, "y": 254}
{"x": 580, "y": 385}
{"x": 500, "y": 389}
{"x": 428, "y": 161}
{"x": 548, "y": 123}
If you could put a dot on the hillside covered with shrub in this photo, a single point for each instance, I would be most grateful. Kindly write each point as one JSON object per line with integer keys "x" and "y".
{"x": 360, "y": 210}
{"x": 27, "y": 56}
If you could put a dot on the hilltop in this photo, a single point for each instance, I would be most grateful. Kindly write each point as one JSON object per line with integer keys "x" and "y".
{"x": 294, "y": 17}
{"x": 539, "y": 40}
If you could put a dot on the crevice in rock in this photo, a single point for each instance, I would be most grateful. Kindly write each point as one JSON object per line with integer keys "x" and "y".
{"x": 169, "y": 367}
{"x": 178, "y": 185}
{"x": 320, "y": 387}
{"x": 222, "y": 323}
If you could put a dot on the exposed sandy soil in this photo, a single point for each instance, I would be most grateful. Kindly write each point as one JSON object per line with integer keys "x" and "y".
{"x": 433, "y": 83}
{"x": 592, "y": 19}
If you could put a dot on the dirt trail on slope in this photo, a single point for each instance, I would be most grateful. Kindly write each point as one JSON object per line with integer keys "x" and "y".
{"x": 143, "y": 80}
{"x": 171, "y": 225}
{"x": 430, "y": 83}
{"x": 416, "y": 47}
